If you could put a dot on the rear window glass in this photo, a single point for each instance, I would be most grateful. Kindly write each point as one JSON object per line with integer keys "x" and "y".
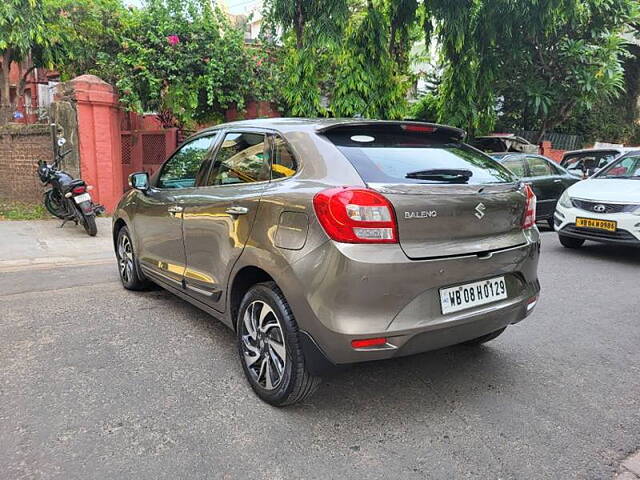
{"x": 588, "y": 160}
{"x": 388, "y": 154}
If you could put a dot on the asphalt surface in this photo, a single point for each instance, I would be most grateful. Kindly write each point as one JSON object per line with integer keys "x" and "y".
{"x": 98, "y": 382}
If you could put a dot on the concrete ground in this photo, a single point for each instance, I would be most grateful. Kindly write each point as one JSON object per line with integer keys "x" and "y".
{"x": 99, "y": 382}
{"x": 43, "y": 243}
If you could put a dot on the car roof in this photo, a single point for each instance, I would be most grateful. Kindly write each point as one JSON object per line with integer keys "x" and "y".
{"x": 505, "y": 136}
{"x": 602, "y": 149}
{"x": 319, "y": 125}
{"x": 501, "y": 155}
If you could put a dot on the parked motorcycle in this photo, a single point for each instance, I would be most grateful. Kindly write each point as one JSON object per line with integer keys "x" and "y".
{"x": 68, "y": 198}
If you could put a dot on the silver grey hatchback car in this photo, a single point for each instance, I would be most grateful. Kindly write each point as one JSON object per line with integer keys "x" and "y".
{"x": 329, "y": 242}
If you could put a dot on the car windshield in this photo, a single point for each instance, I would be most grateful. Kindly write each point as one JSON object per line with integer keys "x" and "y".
{"x": 390, "y": 155}
{"x": 588, "y": 160}
{"x": 625, "y": 167}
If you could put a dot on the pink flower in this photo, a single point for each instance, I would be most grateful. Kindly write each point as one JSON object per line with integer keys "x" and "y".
{"x": 173, "y": 39}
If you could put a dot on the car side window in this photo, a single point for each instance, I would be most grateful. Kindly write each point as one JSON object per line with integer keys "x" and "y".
{"x": 516, "y": 165}
{"x": 242, "y": 158}
{"x": 181, "y": 169}
{"x": 539, "y": 167}
{"x": 284, "y": 163}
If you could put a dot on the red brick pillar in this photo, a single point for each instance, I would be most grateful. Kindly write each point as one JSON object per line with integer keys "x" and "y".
{"x": 99, "y": 138}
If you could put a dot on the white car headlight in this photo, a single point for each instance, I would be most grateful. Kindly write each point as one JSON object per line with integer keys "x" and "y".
{"x": 565, "y": 201}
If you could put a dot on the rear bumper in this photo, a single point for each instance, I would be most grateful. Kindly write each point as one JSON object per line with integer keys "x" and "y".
{"x": 349, "y": 292}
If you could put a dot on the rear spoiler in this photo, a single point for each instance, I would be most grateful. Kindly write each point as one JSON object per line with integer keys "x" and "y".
{"x": 410, "y": 126}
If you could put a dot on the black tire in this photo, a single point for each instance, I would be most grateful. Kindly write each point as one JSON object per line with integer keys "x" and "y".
{"x": 134, "y": 279}
{"x": 570, "y": 242}
{"x": 89, "y": 224}
{"x": 484, "y": 338}
{"x": 290, "y": 381}
{"x": 52, "y": 204}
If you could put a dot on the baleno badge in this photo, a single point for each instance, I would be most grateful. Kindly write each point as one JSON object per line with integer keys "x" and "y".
{"x": 421, "y": 214}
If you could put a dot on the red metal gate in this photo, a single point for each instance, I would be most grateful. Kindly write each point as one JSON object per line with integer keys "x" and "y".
{"x": 145, "y": 150}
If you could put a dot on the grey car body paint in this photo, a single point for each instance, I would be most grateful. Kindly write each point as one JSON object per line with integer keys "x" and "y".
{"x": 338, "y": 291}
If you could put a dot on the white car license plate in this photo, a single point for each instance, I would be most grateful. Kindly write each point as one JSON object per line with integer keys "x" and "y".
{"x": 84, "y": 197}
{"x": 470, "y": 295}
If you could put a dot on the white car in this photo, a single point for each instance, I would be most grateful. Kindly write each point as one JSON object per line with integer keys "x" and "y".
{"x": 603, "y": 208}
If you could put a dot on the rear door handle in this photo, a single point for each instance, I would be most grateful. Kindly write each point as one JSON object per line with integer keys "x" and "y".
{"x": 237, "y": 210}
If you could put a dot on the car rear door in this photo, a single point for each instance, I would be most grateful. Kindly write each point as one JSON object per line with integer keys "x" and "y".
{"x": 219, "y": 214}
{"x": 547, "y": 184}
{"x": 437, "y": 216}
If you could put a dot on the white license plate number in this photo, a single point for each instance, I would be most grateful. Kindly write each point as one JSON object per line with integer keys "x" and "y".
{"x": 458, "y": 298}
{"x": 84, "y": 197}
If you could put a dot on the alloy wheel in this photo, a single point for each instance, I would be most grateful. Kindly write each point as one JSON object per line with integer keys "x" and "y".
{"x": 125, "y": 258}
{"x": 263, "y": 345}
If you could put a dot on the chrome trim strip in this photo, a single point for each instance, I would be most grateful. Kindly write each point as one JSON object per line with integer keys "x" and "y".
{"x": 159, "y": 274}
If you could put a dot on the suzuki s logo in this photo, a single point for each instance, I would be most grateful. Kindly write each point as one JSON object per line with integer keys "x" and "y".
{"x": 599, "y": 208}
{"x": 421, "y": 214}
{"x": 480, "y": 208}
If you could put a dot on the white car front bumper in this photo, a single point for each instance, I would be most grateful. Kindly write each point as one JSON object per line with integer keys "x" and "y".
{"x": 627, "y": 233}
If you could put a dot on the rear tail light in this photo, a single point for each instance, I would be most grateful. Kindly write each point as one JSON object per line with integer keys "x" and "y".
{"x": 356, "y": 215}
{"x": 79, "y": 189}
{"x": 529, "y": 219}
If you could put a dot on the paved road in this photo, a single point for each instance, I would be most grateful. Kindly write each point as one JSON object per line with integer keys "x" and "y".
{"x": 97, "y": 382}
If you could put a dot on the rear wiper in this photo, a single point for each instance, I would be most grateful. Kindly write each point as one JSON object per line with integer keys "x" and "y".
{"x": 443, "y": 175}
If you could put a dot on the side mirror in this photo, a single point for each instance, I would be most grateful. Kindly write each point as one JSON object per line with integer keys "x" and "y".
{"x": 139, "y": 181}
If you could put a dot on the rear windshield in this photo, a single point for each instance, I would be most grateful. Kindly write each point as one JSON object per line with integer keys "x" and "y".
{"x": 588, "y": 160}
{"x": 387, "y": 154}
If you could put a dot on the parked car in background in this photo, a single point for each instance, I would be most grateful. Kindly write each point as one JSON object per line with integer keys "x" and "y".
{"x": 584, "y": 163}
{"x": 548, "y": 179}
{"x": 324, "y": 242}
{"x": 603, "y": 208}
{"x": 500, "y": 143}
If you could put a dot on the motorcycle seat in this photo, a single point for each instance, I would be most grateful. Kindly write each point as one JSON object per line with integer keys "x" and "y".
{"x": 74, "y": 183}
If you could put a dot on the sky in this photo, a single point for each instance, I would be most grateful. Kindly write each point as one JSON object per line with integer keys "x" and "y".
{"x": 239, "y": 6}
{"x": 235, "y": 6}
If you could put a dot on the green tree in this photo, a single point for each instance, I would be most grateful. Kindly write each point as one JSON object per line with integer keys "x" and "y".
{"x": 366, "y": 80}
{"x": 183, "y": 60}
{"x": 311, "y": 30}
{"x": 29, "y": 35}
{"x": 549, "y": 57}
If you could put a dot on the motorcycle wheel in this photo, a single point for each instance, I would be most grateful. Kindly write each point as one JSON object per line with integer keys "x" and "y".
{"x": 53, "y": 205}
{"x": 89, "y": 224}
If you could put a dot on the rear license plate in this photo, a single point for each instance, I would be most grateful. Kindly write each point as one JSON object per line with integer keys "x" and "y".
{"x": 607, "y": 225}
{"x": 470, "y": 295}
{"x": 84, "y": 197}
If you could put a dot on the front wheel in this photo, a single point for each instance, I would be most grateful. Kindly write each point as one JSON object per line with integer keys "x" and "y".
{"x": 570, "y": 242}
{"x": 89, "y": 224}
{"x": 130, "y": 275}
{"x": 269, "y": 347}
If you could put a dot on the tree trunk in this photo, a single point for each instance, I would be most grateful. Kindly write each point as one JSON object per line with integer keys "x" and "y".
{"x": 5, "y": 89}
{"x": 298, "y": 25}
{"x": 541, "y": 133}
